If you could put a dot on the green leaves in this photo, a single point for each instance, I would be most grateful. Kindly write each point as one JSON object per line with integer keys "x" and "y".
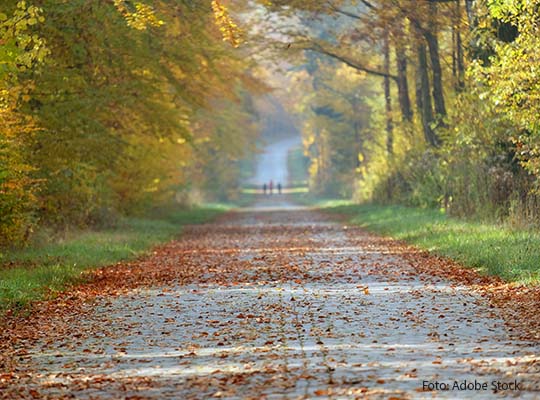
{"x": 101, "y": 111}
{"x": 506, "y": 10}
{"x": 514, "y": 80}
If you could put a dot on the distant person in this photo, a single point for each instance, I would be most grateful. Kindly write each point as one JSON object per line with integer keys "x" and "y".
{"x": 265, "y": 188}
{"x": 271, "y": 186}
{"x": 279, "y": 187}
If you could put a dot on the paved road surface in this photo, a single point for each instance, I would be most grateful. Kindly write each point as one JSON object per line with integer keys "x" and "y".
{"x": 278, "y": 302}
{"x": 272, "y": 163}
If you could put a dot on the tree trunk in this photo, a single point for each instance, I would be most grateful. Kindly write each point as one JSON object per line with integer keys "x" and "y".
{"x": 459, "y": 49}
{"x": 387, "y": 97}
{"x": 454, "y": 55}
{"x": 403, "y": 86}
{"x": 423, "y": 96}
{"x": 433, "y": 45}
{"x": 469, "y": 11}
{"x": 402, "y": 81}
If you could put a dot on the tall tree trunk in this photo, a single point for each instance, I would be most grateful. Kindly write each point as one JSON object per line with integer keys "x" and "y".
{"x": 469, "y": 11}
{"x": 459, "y": 48}
{"x": 433, "y": 45}
{"x": 402, "y": 81}
{"x": 387, "y": 97}
{"x": 359, "y": 145}
{"x": 403, "y": 86}
{"x": 423, "y": 96}
{"x": 454, "y": 53}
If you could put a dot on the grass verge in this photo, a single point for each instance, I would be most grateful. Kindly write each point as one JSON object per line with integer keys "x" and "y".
{"x": 36, "y": 272}
{"x": 492, "y": 249}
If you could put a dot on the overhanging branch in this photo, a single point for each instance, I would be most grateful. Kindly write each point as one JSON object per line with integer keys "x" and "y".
{"x": 343, "y": 12}
{"x": 351, "y": 63}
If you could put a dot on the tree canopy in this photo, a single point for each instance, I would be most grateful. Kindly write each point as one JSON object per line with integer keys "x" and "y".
{"x": 112, "y": 107}
{"x": 446, "y": 96}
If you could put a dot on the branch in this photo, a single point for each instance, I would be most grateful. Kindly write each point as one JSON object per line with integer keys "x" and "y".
{"x": 413, "y": 20}
{"x": 350, "y": 14}
{"x": 350, "y": 63}
{"x": 343, "y": 12}
{"x": 368, "y": 4}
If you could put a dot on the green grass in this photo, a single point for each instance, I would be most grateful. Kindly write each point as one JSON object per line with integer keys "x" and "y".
{"x": 492, "y": 249}
{"x": 36, "y": 272}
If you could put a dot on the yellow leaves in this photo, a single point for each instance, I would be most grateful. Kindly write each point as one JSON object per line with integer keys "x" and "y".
{"x": 17, "y": 188}
{"x": 204, "y": 62}
{"x": 135, "y": 107}
{"x": 140, "y": 19}
{"x": 229, "y": 30}
{"x": 350, "y": 75}
{"x": 19, "y": 49}
{"x": 178, "y": 72}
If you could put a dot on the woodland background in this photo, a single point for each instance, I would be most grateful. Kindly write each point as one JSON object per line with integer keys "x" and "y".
{"x": 111, "y": 108}
{"x": 424, "y": 103}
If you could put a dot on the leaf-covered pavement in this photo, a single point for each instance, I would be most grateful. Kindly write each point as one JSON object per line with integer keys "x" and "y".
{"x": 269, "y": 303}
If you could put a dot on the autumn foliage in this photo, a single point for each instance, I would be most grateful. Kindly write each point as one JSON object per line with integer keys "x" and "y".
{"x": 115, "y": 107}
{"x": 426, "y": 103}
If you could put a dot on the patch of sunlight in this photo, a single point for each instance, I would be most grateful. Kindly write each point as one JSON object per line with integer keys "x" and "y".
{"x": 344, "y": 250}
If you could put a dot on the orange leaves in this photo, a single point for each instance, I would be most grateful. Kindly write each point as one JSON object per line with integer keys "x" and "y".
{"x": 364, "y": 288}
{"x": 6, "y": 377}
{"x": 205, "y": 314}
{"x": 322, "y": 392}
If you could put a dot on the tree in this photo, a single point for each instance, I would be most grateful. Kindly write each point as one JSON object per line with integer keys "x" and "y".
{"x": 113, "y": 123}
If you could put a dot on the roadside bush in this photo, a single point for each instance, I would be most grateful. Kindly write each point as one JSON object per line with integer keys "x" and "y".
{"x": 477, "y": 172}
{"x": 17, "y": 195}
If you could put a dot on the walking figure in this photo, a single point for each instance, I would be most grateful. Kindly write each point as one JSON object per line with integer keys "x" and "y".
{"x": 264, "y": 188}
{"x": 279, "y": 187}
{"x": 271, "y": 186}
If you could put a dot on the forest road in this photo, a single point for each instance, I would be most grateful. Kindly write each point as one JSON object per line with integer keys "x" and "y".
{"x": 272, "y": 162}
{"x": 273, "y": 302}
